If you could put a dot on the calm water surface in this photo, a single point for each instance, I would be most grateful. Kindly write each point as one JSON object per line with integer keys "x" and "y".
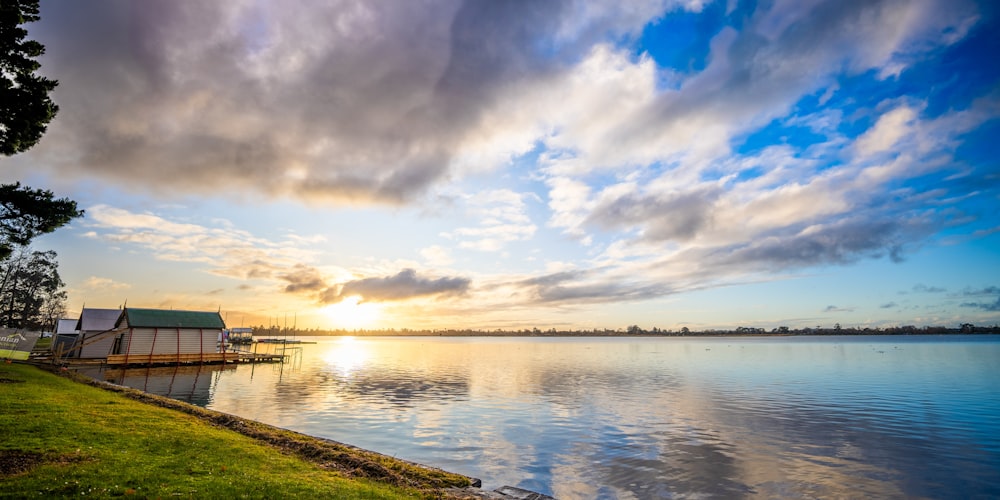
{"x": 791, "y": 417}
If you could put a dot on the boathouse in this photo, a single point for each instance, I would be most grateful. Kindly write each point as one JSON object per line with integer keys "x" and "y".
{"x": 65, "y": 337}
{"x": 94, "y": 338}
{"x": 150, "y": 336}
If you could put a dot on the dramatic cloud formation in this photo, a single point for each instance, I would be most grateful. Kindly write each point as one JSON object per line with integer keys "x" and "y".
{"x": 523, "y": 154}
{"x": 340, "y": 101}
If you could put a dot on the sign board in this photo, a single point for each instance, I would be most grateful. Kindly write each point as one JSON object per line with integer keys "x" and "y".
{"x": 17, "y": 344}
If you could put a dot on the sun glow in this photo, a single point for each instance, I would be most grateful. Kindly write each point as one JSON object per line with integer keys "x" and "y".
{"x": 351, "y": 313}
{"x": 347, "y": 355}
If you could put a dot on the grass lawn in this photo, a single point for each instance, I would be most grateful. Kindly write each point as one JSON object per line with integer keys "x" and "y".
{"x": 59, "y": 437}
{"x": 43, "y": 343}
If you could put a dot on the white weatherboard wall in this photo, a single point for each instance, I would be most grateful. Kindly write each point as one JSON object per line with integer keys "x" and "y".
{"x": 99, "y": 348}
{"x": 170, "y": 341}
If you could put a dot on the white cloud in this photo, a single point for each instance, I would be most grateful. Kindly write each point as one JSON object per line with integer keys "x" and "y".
{"x": 800, "y": 213}
{"x": 224, "y": 250}
{"x": 748, "y": 82}
{"x": 503, "y": 219}
{"x": 437, "y": 256}
{"x": 890, "y": 128}
{"x": 569, "y": 200}
{"x": 104, "y": 284}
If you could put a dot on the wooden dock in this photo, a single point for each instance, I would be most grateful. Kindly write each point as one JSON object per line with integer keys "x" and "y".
{"x": 195, "y": 358}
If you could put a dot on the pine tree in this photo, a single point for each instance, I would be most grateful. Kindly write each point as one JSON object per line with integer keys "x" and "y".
{"x": 25, "y": 106}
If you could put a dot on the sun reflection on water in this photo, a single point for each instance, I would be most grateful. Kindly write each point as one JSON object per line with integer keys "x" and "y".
{"x": 347, "y": 355}
{"x": 648, "y": 417}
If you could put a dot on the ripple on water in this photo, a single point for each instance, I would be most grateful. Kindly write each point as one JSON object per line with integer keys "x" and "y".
{"x": 652, "y": 418}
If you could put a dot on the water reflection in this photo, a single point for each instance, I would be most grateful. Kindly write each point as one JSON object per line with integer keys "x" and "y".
{"x": 649, "y": 418}
{"x": 192, "y": 384}
{"x": 347, "y": 355}
{"x": 388, "y": 389}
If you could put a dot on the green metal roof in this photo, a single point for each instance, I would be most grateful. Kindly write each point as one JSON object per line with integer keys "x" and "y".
{"x": 160, "y": 318}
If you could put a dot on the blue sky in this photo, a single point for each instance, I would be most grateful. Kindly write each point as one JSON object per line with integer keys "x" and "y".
{"x": 528, "y": 164}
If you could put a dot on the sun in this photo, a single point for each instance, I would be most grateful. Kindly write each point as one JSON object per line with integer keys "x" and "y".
{"x": 352, "y": 314}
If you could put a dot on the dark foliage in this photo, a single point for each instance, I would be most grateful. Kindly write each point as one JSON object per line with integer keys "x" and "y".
{"x": 31, "y": 291}
{"x": 25, "y": 106}
{"x": 26, "y": 213}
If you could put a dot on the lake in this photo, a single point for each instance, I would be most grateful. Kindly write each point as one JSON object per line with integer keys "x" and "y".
{"x": 614, "y": 417}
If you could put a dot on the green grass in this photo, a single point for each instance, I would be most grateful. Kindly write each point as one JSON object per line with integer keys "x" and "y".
{"x": 59, "y": 437}
{"x": 43, "y": 344}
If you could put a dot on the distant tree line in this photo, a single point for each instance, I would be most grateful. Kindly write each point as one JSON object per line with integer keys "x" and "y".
{"x": 633, "y": 330}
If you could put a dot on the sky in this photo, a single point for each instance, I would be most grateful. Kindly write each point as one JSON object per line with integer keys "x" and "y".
{"x": 523, "y": 164}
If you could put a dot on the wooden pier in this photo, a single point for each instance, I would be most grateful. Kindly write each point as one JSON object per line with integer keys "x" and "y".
{"x": 194, "y": 358}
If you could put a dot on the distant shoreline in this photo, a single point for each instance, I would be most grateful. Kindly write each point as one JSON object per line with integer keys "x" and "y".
{"x": 458, "y": 333}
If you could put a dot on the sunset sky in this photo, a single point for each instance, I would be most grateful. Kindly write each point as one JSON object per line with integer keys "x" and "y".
{"x": 550, "y": 164}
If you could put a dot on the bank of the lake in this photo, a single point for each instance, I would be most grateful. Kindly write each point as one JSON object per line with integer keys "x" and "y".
{"x": 64, "y": 437}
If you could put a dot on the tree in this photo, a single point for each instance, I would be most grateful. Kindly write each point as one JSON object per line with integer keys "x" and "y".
{"x": 26, "y": 213}
{"x": 25, "y": 111}
{"x": 31, "y": 294}
{"x": 30, "y": 290}
{"x": 25, "y": 106}
{"x": 53, "y": 308}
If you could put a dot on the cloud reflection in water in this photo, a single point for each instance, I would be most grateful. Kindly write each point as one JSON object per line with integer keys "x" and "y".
{"x": 653, "y": 418}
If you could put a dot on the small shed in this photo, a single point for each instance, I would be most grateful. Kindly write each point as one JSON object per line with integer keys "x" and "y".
{"x": 65, "y": 338}
{"x": 95, "y": 339}
{"x": 158, "y": 335}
